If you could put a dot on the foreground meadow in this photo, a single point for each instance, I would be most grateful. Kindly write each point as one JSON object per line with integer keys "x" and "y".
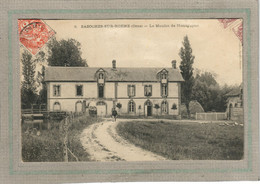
{"x": 186, "y": 140}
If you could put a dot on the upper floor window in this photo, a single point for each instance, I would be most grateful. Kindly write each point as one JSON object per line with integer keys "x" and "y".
{"x": 56, "y": 90}
{"x": 100, "y": 91}
{"x": 164, "y": 90}
{"x": 148, "y": 90}
{"x": 79, "y": 90}
{"x": 131, "y": 90}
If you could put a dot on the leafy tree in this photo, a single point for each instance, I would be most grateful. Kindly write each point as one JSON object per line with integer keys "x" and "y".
{"x": 174, "y": 106}
{"x": 28, "y": 89}
{"x": 65, "y": 53}
{"x": 157, "y": 106}
{"x": 119, "y": 106}
{"x": 209, "y": 93}
{"x": 186, "y": 68}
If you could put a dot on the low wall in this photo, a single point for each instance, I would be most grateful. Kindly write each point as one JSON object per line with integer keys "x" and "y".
{"x": 237, "y": 114}
{"x": 211, "y": 116}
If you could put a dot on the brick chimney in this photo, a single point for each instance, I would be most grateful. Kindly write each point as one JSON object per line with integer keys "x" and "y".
{"x": 174, "y": 64}
{"x": 114, "y": 64}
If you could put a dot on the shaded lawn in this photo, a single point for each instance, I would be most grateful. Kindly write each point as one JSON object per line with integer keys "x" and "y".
{"x": 185, "y": 140}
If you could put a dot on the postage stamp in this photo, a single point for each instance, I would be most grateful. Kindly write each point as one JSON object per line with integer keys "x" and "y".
{"x": 236, "y": 25}
{"x": 33, "y": 34}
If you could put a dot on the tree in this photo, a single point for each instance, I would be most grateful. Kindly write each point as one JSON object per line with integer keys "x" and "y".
{"x": 157, "y": 106}
{"x": 65, "y": 53}
{"x": 209, "y": 93}
{"x": 119, "y": 106}
{"x": 186, "y": 68}
{"x": 28, "y": 89}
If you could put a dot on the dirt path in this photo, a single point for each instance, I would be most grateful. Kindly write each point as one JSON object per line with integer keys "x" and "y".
{"x": 103, "y": 143}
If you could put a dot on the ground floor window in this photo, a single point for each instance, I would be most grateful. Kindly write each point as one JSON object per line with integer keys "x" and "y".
{"x": 131, "y": 106}
{"x": 164, "y": 107}
{"x": 56, "y": 106}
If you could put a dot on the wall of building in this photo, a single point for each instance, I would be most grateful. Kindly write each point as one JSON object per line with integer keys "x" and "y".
{"x": 68, "y": 97}
{"x": 141, "y": 103}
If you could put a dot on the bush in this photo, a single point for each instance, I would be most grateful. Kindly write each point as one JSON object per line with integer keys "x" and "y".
{"x": 48, "y": 147}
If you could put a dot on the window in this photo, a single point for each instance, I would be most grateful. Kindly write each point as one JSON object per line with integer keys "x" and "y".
{"x": 79, "y": 90}
{"x": 164, "y": 89}
{"x": 164, "y": 107}
{"x": 100, "y": 91}
{"x": 101, "y": 76}
{"x": 131, "y": 90}
{"x": 56, "y": 90}
{"x": 100, "y": 103}
{"x": 163, "y": 75}
{"x": 131, "y": 106}
{"x": 56, "y": 106}
{"x": 148, "y": 90}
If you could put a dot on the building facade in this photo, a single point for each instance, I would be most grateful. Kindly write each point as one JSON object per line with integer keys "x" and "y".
{"x": 134, "y": 90}
{"x": 235, "y": 109}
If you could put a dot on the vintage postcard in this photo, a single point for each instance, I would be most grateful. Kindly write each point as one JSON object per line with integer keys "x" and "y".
{"x": 132, "y": 98}
{"x": 131, "y": 90}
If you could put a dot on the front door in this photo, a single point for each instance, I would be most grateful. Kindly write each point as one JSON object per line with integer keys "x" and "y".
{"x": 149, "y": 110}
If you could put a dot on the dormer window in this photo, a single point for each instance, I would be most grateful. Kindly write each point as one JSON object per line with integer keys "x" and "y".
{"x": 164, "y": 76}
{"x": 101, "y": 76}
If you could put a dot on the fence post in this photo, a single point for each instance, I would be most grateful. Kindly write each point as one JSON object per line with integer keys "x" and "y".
{"x": 66, "y": 159}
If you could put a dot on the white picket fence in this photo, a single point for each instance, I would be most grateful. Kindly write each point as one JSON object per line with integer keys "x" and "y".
{"x": 211, "y": 116}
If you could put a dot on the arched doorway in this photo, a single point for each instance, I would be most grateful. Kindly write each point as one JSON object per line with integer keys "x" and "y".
{"x": 78, "y": 106}
{"x": 56, "y": 106}
{"x": 101, "y": 108}
{"x": 148, "y": 108}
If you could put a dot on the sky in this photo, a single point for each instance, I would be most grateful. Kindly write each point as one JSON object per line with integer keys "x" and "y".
{"x": 155, "y": 43}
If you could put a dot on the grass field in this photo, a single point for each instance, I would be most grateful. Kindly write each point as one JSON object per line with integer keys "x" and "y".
{"x": 186, "y": 140}
{"x": 48, "y": 146}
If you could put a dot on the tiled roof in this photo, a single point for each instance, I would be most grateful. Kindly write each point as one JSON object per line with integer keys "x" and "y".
{"x": 234, "y": 92}
{"x": 118, "y": 74}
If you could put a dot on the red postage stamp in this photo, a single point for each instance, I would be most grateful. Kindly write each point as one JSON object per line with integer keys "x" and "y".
{"x": 238, "y": 30}
{"x": 226, "y": 22}
{"x": 236, "y": 25}
{"x": 33, "y": 34}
